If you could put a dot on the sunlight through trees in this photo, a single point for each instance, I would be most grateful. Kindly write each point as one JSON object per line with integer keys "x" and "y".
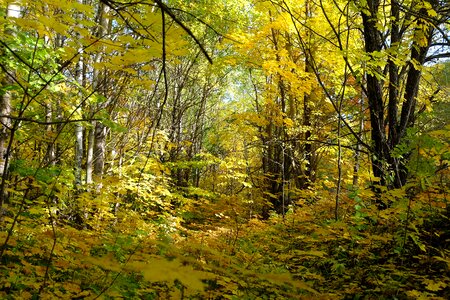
{"x": 224, "y": 149}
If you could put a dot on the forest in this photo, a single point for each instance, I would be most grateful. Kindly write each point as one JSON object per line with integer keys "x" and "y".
{"x": 227, "y": 149}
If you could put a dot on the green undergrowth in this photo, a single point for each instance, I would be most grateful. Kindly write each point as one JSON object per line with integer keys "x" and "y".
{"x": 213, "y": 251}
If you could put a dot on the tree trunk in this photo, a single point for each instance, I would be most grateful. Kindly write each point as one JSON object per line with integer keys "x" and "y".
{"x": 309, "y": 173}
{"x": 78, "y": 153}
{"x": 90, "y": 153}
{"x": 392, "y": 172}
{"x": 358, "y": 149}
{"x": 50, "y": 153}
{"x": 99, "y": 151}
{"x": 308, "y": 176}
{"x": 6, "y": 134}
{"x": 99, "y": 131}
{"x": 374, "y": 95}
{"x": 5, "y": 123}
{"x": 59, "y": 128}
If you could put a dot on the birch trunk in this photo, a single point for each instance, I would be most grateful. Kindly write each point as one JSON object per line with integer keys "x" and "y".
{"x": 90, "y": 153}
{"x": 6, "y": 134}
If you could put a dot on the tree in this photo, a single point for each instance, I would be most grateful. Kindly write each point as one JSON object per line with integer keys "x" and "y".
{"x": 398, "y": 41}
{"x": 290, "y": 109}
{"x": 5, "y": 109}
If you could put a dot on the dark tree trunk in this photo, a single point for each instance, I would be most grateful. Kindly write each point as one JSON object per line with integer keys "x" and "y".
{"x": 309, "y": 172}
{"x": 387, "y": 133}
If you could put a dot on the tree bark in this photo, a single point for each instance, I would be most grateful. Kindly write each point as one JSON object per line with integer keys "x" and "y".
{"x": 373, "y": 43}
{"x": 78, "y": 153}
{"x": 392, "y": 171}
{"x": 97, "y": 135}
{"x": 90, "y": 153}
{"x": 358, "y": 149}
{"x": 5, "y": 123}
{"x": 309, "y": 171}
{"x": 99, "y": 151}
{"x": 6, "y": 134}
{"x": 50, "y": 154}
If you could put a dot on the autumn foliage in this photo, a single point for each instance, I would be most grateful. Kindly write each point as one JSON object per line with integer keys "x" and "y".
{"x": 224, "y": 149}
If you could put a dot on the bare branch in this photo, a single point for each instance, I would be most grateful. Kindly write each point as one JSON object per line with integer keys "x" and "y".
{"x": 437, "y": 56}
{"x": 24, "y": 119}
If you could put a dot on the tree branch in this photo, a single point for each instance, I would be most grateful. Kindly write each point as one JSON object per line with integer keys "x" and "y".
{"x": 24, "y": 119}
{"x": 167, "y": 10}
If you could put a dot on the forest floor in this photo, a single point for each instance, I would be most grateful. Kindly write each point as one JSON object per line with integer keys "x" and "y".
{"x": 207, "y": 254}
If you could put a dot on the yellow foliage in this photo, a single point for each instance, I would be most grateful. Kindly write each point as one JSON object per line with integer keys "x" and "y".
{"x": 156, "y": 269}
{"x": 434, "y": 286}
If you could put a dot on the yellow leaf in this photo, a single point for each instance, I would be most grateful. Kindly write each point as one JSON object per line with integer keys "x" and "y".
{"x": 287, "y": 278}
{"x": 434, "y": 286}
{"x": 311, "y": 253}
{"x": 51, "y": 23}
{"x": 168, "y": 271}
{"x": 432, "y": 13}
{"x": 288, "y": 122}
{"x": 71, "y": 287}
{"x": 414, "y": 294}
{"x": 106, "y": 262}
{"x": 83, "y": 294}
{"x": 26, "y": 295}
